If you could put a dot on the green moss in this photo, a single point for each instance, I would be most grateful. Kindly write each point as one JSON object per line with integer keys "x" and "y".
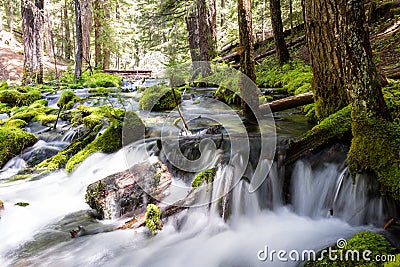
{"x": 375, "y": 147}
{"x": 21, "y": 204}
{"x": 295, "y": 77}
{"x": 98, "y": 79}
{"x": 204, "y": 176}
{"x": 108, "y": 142}
{"x": 13, "y": 97}
{"x": 12, "y": 141}
{"x": 395, "y": 263}
{"x": 61, "y": 158}
{"x": 159, "y": 98}
{"x": 391, "y": 94}
{"x": 67, "y": 99}
{"x": 196, "y": 102}
{"x": 16, "y": 123}
{"x": 45, "y": 119}
{"x": 75, "y": 86}
{"x": 228, "y": 92}
{"x": 102, "y": 91}
{"x": 153, "y": 221}
{"x": 335, "y": 125}
{"x": 360, "y": 242}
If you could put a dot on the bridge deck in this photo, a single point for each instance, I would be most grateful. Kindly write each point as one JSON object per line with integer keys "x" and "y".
{"x": 131, "y": 73}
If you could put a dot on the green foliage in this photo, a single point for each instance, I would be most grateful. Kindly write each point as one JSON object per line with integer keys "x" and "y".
{"x": 153, "y": 221}
{"x": 391, "y": 94}
{"x": 295, "y": 76}
{"x": 228, "y": 91}
{"x": 3, "y": 85}
{"x": 360, "y": 242}
{"x": 67, "y": 99}
{"x": 204, "y": 176}
{"x": 12, "y": 141}
{"x": 159, "y": 98}
{"x": 102, "y": 91}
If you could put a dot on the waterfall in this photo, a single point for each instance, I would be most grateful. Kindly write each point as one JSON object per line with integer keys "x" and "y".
{"x": 228, "y": 231}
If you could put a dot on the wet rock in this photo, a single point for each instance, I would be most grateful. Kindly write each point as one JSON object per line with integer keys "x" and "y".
{"x": 130, "y": 190}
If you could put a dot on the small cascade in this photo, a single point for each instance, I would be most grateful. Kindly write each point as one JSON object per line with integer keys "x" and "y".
{"x": 326, "y": 191}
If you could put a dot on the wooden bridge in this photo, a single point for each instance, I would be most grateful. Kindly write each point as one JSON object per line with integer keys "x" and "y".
{"x": 131, "y": 73}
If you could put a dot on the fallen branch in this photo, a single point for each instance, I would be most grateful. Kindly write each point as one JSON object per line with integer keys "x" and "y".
{"x": 288, "y": 102}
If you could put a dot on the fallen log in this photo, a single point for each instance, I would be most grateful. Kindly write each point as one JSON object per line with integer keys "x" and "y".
{"x": 288, "y": 102}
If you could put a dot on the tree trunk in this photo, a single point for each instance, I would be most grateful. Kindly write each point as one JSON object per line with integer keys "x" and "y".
{"x": 205, "y": 40}
{"x": 86, "y": 27}
{"x": 48, "y": 32}
{"x": 193, "y": 32}
{"x": 249, "y": 98}
{"x": 326, "y": 55}
{"x": 38, "y": 38}
{"x": 362, "y": 79}
{"x": 97, "y": 7}
{"x": 107, "y": 37}
{"x": 79, "y": 48}
{"x": 27, "y": 32}
{"x": 212, "y": 26}
{"x": 11, "y": 16}
{"x": 222, "y": 13}
{"x": 277, "y": 27}
{"x": 67, "y": 32}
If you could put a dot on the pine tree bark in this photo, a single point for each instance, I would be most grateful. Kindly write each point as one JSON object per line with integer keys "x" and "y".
{"x": 86, "y": 27}
{"x": 11, "y": 16}
{"x": 277, "y": 28}
{"x": 107, "y": 38}
{"x": 48, "y": 22}
{"x": 193, "y": 36}
{"x": 27, "y": 32}
{"x": 247, "y": 65}
{"x": 326, "y": 55}
{"x": 38, "y": 39}
{"x": 362, "y": 79}
{"x": 67, "y": 33}
{"x": 97, "y": 7}
{"x": 79, "y": 48}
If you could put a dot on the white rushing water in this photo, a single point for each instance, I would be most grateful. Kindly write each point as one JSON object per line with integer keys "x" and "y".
{"x": 195, "y": 237}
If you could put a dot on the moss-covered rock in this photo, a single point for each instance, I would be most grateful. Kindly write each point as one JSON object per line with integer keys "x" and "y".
{"x": 159, "y": 98}
{"x": 13, "y": 97}
{"x": 3, "y": 85}
{"x": 206, "y": 176}
{"x": 153, "y": 221}
{"x": 98, "y": 79}
{"x": 61, "y": 158}
{"x": 12, "y": 141}
{"x": 67, "y": 99}
{"x": 111, "y": 140}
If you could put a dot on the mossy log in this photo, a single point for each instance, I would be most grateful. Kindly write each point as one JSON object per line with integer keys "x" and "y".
{"x": 335, "y": 128}
{"x": 288, "y": 102}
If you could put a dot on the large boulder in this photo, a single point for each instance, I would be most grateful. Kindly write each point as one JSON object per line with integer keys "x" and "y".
{"x": 129, "y": 191}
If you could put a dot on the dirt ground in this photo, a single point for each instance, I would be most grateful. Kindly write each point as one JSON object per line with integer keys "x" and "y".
{"x": 12, "y": 59}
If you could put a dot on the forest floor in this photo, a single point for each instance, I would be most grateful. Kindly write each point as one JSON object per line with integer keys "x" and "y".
{"x": 12, "y": 58}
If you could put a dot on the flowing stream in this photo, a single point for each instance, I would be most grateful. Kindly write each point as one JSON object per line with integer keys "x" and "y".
{"x": 321, "y": 205}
